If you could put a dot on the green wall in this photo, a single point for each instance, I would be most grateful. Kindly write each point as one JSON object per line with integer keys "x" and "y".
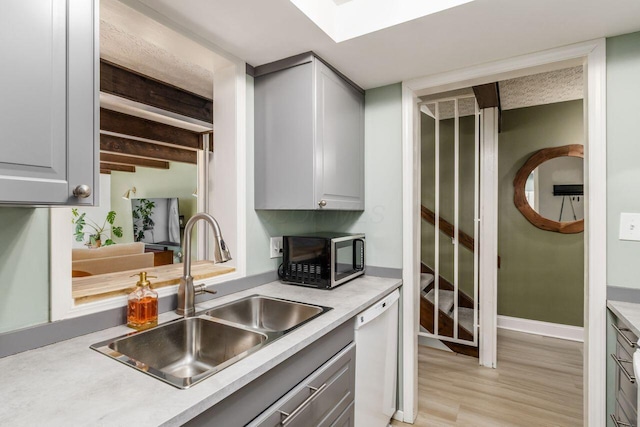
{"x": 24, "y": 267}
{"x": 623, "y": 152}
{"x": 381, "y": 220}
{"x": 542, "y": 273}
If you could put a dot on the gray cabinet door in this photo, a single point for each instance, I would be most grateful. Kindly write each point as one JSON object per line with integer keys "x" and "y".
{"x": 284, "y": 139}
{"x": 339, "y": 142}
{"x": 48, "y": 118}
{"x": 309, "y": 138}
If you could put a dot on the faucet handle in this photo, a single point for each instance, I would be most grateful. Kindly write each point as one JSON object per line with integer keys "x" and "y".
{"x": 202, "y": 288}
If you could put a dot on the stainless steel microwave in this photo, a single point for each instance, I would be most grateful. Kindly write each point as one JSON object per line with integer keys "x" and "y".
{"x": 322, "y": 260}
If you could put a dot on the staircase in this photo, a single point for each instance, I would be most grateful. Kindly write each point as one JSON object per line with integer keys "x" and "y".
{"x": 446, "y": 296}
{"x": 445, "y": 312}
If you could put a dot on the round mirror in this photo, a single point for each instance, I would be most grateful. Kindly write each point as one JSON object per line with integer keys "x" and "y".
{"x": 548, "y": 189}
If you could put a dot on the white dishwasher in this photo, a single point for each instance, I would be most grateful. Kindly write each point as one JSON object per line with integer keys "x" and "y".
{"x": 376, "y": 337}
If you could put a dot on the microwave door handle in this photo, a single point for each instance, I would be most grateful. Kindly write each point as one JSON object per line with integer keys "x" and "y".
{"x": 355, "y": 257}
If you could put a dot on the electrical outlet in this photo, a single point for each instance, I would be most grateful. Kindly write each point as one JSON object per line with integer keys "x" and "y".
{"x": 629, "y": 226}
{"x": 275, "y": 247}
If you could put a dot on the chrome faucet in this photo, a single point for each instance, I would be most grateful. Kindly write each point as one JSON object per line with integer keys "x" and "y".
{"x": 187, "y": 291}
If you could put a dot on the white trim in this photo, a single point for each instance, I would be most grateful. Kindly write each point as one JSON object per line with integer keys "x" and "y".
{"x": 595, "y": 185}
{"x": 456, "y": 218}
{"x": 410, "y": 254}
{"x": 536, "y": 327}
{"x": 436, "y": 226}
{"x": 60, "y": 230}
{"x": 476, "y": 220}
{"x": 488, "y": 236}
{"x": 595, "y": 363}
{"x": 510, "y": 68}
{"x": 398, "y": 415}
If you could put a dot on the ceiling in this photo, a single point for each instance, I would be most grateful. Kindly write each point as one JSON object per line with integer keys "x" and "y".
{"x": 540, "y": 89}
{"x": 562, "y": 85}
{"x": 137, "y": 42}
{"x": 477, "y": 32}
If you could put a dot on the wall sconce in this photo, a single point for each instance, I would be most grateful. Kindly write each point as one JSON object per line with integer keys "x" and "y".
{"x": 195, "y": 193}
{"x": 127, "y": 194}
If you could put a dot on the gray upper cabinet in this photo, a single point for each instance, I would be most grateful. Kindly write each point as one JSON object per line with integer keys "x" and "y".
{"x": 309, "y": 137}
{"x": 48, "y": 114}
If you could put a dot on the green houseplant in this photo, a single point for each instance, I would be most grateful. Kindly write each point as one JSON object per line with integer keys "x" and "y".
{"x": 96, "y": 232}
{"x": 142, "y": 220}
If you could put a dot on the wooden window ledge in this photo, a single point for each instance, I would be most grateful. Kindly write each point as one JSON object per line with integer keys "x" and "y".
{"x": 102, "y": 286}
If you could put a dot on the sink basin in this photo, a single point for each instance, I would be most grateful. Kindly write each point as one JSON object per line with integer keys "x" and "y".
{"x": 266, "y": 314}
{"x": 185, "y": 351}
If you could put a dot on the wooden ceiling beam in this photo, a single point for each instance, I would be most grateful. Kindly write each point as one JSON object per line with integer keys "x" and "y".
{"x": 128, "y": 84}
{"x": 131, "y": 147}
{"x": 125, "y": 124}
{"x": 105, "y": 171}
{"x": 118, "y": 168}
{"x": 488, "y": 96}
{"x": 133, "y": 161}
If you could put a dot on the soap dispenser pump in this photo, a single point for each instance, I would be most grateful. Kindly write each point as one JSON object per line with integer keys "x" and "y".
{"x": 142, "y": 307}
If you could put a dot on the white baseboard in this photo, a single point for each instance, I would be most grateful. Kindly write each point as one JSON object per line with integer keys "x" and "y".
{"x": 555, "y": 330}
{"x": 399, "y": 416}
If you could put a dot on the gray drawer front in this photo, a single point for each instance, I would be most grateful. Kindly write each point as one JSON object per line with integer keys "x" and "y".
{"x": 628, "y": 334}
{"x": 629, "y": 408}
{"x": 625, "y": 387}
{"x": 346, "y": 418}
{"x": 622, "y": 417}
{"x": 334, "y": 382}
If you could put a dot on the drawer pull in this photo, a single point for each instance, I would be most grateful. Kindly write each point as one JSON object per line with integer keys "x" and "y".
{"x": 619, "y": 331}
{"x": 619, "y": 362}
{"x": 289, "y": 416}
{"x": 619, "y": 423}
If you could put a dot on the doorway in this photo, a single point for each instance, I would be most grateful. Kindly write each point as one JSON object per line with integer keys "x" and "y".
{"x": 592, "y": 56}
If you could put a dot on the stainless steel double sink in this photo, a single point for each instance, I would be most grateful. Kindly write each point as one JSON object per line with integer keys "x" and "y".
{"x": 186, "y": 351}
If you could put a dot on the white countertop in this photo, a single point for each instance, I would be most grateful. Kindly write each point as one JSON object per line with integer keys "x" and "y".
{"x": 68, "y": 384}
{"x": 628, "y": 312}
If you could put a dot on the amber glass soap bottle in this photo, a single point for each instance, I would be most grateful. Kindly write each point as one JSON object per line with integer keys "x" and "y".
{"x": 142, "y": 309}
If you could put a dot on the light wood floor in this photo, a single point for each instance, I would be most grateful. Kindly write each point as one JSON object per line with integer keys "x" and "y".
{"x": 538, "y": 382}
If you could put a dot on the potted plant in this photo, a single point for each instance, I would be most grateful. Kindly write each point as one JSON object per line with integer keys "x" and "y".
{"x": 142, "y": 220}
{"x": 97, "y": 232}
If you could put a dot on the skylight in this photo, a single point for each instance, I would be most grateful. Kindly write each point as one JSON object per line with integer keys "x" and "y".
{"x": 347, "y": 19}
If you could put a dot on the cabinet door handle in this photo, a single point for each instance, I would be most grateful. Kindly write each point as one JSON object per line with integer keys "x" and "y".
{"x": 82, "y": 191}
{"x": 619, "y": 331}
{"x": 322, "y": 203}
{"x": 289, "y": 416}
{"x": 619, "y": 423}
{"x": 619, "y": 362}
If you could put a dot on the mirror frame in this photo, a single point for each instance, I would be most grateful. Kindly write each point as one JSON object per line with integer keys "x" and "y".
{"x": 520, "y": 200}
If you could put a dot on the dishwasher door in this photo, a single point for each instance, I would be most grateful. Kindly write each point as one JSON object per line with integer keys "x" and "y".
{"x": 376, "y": 337}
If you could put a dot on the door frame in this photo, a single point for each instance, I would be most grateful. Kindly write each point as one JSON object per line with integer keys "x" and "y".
{"x": 592, "y": 55}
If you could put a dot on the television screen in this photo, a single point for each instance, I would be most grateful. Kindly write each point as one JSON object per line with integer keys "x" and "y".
{"x": 156, "y": 221}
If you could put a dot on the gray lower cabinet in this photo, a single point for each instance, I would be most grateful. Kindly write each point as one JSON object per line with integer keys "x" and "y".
{"x": 320, "y": 399}
{"x": 309, "y": 137}
{"x": 315, "y": 387}
{"x": 625, "y": 393}
{"x": 48, "y": 114}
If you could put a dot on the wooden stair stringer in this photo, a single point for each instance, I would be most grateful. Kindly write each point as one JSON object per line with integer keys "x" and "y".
{"x": 445, "y": 322}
